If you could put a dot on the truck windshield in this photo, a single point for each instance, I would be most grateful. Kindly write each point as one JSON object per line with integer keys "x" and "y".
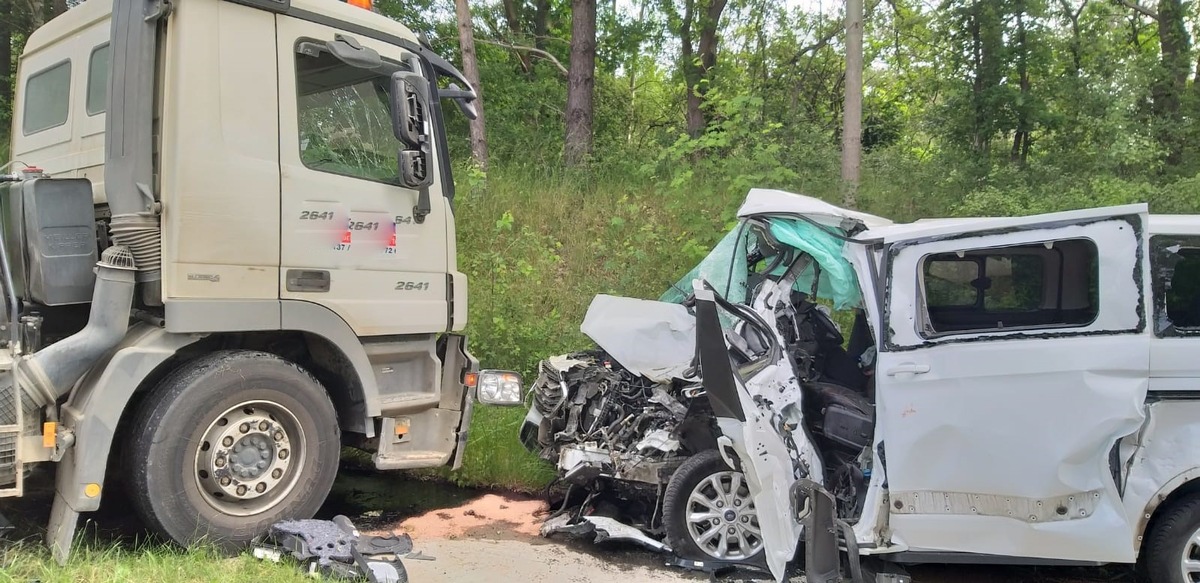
{"x": 345, "y": 119}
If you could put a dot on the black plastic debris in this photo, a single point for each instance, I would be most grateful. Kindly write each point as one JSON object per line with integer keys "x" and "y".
{"x": 334, "y": 549}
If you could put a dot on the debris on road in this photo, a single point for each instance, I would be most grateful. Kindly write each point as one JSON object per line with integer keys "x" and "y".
{"x": 335, "y": 549}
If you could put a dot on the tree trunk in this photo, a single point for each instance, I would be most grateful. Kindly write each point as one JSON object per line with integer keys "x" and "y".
{"x": 581, "y": 82}
{"x": 541, "y": 23}
{"x": 466, "y": 40}
{"x": 1076, "y": 43}
{"x": 699, "y": 57}
{"x": 1170, "y": 82}
{"x": 6, "y": 67}
{"x": 852, "y": 112}
{"x": 1021, "y": 137}
{"x": 512, "y": 16}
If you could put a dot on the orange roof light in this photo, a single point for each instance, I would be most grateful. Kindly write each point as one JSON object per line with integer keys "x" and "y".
{"x": 364, "y": 4}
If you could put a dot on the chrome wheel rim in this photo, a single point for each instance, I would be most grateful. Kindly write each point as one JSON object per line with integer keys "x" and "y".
{"x": 1189, "y": 562}
{"x": 721, "y": 518}
{"x": 250, "y": 458}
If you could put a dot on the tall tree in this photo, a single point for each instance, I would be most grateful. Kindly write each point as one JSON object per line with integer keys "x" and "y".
{"x": 512, "y": 16}
{"x": 6, "y": 38}
{"x": 852, "y": 111}
{"x": 1168, "y": 80}
{"x": 541, "y": 23}
{"x": 697, "y": 30}
{"x": 581, "y": 82}
{"x": 466, "y": 40}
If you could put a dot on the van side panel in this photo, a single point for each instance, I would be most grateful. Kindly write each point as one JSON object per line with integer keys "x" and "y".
{"x": 1161, "y": 458}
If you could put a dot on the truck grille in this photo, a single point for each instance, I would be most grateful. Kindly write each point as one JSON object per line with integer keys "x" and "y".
{"x": 10, "y": 429}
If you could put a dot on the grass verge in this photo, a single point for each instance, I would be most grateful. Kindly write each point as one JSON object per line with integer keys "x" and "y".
{"x": 29, "y": 561}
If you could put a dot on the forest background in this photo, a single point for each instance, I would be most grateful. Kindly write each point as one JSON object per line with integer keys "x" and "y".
{"x": 618, "y": 138}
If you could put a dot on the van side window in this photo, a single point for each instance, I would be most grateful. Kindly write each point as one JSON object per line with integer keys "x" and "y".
{"x": 47, "y": 98}
{"x": 1027, "y": 286}
{"x": 97, "y": 82}
{"x": 1175, "y": 264}
{"x": 345, "y": 119}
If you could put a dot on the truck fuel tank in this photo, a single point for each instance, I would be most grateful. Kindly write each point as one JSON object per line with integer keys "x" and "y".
{"x": 50, "y": 235}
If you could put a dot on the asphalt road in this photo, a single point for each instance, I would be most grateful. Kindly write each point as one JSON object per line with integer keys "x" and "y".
{"x": 488, "y": 538}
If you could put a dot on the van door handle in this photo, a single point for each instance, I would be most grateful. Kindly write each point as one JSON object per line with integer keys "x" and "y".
{"x": 908, "y": 368}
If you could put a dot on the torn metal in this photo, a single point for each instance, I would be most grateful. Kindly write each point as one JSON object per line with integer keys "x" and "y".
{"x": 742, "y": 408}
{"x": 620, "y": 421}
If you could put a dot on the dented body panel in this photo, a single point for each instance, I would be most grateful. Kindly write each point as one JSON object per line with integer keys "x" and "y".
{"x": 1031, "y": 388}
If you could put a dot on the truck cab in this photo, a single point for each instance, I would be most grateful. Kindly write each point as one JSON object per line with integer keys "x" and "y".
{"x": 231, "y": 214}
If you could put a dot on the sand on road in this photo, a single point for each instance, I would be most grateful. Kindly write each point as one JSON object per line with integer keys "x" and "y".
{"x": 495, "y": 539}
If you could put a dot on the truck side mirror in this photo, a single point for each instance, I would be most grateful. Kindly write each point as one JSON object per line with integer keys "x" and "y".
{"x": 463, "y": 98}
{"x": 410, "y": 108}
{"x": 410, "y": 124}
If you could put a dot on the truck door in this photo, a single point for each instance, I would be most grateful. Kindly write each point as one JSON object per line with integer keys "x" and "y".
{"x": 1013, "y": 359}
{"x": 349, "y": 240}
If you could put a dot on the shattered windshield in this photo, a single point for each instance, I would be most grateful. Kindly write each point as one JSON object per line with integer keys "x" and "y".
{"x": 345, "y": 119}
{"x": 732, "y": 275}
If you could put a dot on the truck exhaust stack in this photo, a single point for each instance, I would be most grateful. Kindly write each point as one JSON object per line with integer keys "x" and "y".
{"x": 50, "y": 373}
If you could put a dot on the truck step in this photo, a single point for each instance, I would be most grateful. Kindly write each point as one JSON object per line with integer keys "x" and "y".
{"x": 411, "y": 460}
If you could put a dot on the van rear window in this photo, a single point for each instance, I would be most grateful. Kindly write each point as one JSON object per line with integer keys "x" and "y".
{"x": 47, "y": 97}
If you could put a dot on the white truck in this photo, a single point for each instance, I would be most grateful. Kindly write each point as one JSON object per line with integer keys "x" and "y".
{"x": 228, "y": 253}
{"x": 1012, "y": 390}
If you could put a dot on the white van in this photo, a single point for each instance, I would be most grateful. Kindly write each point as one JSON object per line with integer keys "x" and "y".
{"x": 1013, "y": 390}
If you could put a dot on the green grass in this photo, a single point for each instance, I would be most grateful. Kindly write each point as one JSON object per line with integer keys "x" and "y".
{"x": 26, "y": 562}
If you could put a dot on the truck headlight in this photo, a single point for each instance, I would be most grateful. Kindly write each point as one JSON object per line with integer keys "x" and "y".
{"x": 499, "y": 387}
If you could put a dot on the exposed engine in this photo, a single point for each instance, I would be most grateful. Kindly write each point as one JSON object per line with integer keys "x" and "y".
{"x": 620, "y": 436}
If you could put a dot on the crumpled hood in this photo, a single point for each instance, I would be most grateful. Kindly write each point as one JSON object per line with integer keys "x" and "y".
{"x": 654, "y": 339}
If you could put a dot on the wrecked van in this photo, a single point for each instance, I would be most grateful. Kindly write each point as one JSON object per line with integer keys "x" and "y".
{"x": 983, "y": 390}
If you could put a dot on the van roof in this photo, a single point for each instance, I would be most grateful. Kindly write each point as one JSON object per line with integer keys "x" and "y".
{"x": 766, "y": 202}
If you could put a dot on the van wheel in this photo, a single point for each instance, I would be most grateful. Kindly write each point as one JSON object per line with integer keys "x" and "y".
{"x": 229, "y": 444}
{"x": 1173, "y": 549}
{"x": 708, "y": 512}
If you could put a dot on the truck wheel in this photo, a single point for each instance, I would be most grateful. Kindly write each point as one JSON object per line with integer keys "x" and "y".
{"x": 229, "y": 444}
{"x": 1173, "y": 548}
{"x": 708, "y": 512}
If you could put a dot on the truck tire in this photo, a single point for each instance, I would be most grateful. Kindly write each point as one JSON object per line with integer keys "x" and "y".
{"x": 229, "y": 444}
{"x": 708, "y": 513}
{"x": 1172, "y": 551}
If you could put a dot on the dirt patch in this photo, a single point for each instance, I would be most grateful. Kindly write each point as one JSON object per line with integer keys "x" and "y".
{"x": 491, "y": 516}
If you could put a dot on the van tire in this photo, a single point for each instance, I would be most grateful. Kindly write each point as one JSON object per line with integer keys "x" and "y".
{"x": 689, "y": 478}
{"x": 1170, "y": 538}
{"x": 217, "y": 429}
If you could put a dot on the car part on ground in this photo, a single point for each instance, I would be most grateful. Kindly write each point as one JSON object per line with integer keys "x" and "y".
{"x": 335, "y": 549}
